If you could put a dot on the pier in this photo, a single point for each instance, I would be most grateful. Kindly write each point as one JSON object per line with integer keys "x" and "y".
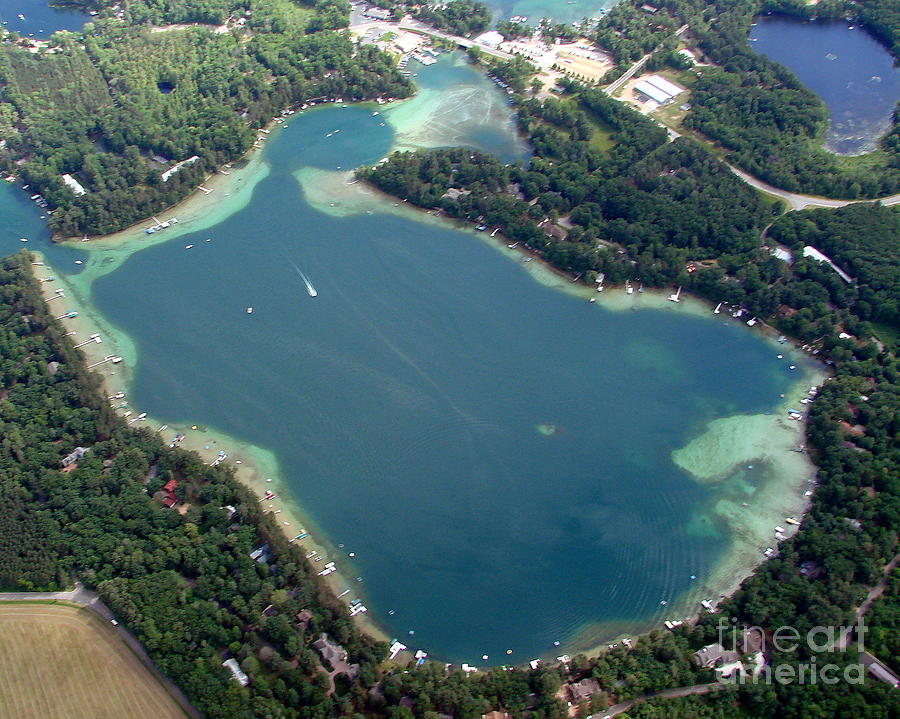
{"x": 109, "y": 358}
{"x": 94, "y": 338}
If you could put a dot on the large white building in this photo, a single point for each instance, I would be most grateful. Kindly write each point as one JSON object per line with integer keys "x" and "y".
{"x": 651, "y": 91}
{"x": 658, "y": 89}
{"x": 74, "y": 185}
{"x": 491, "y": 38}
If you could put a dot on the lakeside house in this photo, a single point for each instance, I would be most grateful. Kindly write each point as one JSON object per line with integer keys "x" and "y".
{"x": 169, "y": 498}
{"x": 260, "y": 553}
{"x": 74, "y": 185}
{"x": 236, "y": 673}
{"x": 177, "y": 166}
{"x": 583, "y": 690}
{"x": 73, "y": 456}
{"x": 335, "y": 656}
{"x": 329, "y": 651}
{"x": 714, "y": 655}
{"x": 814, "y": 254}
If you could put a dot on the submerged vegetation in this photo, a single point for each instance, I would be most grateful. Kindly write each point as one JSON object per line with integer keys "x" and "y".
{"x": 182, "y": 579}
{"x": 672, "y": 213}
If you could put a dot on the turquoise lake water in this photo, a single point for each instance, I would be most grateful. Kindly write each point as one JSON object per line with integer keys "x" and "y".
{"x": 41, "y": 20}
{"x": 851, "y": 71}
{"x": 404, "y": 404}
{"x": 557, "y": 10}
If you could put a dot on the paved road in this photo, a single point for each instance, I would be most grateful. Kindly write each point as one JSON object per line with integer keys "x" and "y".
{"x": 664, "y": 694}
{"x": 797, "y": 201}
{"x": 411, "y": 25}
{"x": 88, "y": 599}
{"x": 629, "y": 73}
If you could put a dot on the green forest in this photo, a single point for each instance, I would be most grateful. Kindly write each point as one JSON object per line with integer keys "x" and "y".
{"x": 121, "y": 105}
{"x": 770, "y": 124}
{"x": 458, "y": 17}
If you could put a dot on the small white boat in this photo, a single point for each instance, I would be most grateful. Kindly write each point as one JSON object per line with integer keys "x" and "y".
{"x": 187, "y": 247}
{"x": 23, "y": 239}
{"x": 718, "y": 309}
{"x": 249, "y": 310}
{"x": 676, "y": 297}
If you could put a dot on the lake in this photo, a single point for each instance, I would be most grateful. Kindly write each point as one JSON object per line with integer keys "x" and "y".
{"x": 558, "y": 10}
{"x": 851, "y": 71}
{"x": 40, "y": 19}
{"x": 510, "y": 466}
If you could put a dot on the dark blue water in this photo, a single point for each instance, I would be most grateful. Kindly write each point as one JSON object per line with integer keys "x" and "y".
{"x": 41, "y": 20}
{"x": 851, "y": 71}
{"x": 403, "y": 403}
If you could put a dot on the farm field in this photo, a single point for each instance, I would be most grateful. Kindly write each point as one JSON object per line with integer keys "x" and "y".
{"x": 62, "y": 662}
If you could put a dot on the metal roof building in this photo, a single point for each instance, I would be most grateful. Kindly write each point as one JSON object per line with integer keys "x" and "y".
{"x": 654, "y": 93}
{"x": 667, "y": 87}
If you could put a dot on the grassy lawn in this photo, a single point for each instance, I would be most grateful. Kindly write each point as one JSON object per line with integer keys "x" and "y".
{"x": 672, "y": 115}
{"x": 62, "y": 662}
{"x": 890, "y": 336}
{"x": 602, "y": 138}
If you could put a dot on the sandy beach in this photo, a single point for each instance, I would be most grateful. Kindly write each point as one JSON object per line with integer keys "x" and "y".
{"x": 255, "y": 467}
{"x": 733, "y": 441}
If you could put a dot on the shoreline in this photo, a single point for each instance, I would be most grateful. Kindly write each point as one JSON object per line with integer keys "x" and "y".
{"x": 195, "y": 212}
{"x": 738, "y": 561}
{"x": 255, "y": 465}
{"x": 257, "y": 468}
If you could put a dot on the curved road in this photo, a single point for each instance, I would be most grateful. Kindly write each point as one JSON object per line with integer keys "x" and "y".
{"x": 799, "y": 202}
{"x": 89, "y": 600}
{"x": 795, "y": 200}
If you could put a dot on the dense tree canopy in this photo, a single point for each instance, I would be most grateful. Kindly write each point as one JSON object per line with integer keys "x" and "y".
{"x": 458, "y": 17}
{"x": 120, "y": 106}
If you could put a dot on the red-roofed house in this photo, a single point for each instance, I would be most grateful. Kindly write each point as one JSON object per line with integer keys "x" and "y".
{"x": 169, "y": 490}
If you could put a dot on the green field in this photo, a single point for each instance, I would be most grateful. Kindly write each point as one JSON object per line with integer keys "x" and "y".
{"x": 62, "y": 662}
